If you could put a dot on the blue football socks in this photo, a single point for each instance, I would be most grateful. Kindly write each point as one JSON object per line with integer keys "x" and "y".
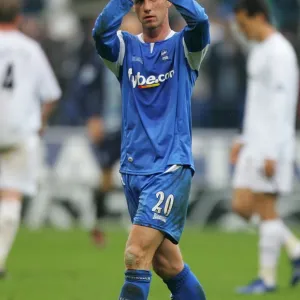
{"x": 136, "y": 286}
{"x": 185, "y": 286}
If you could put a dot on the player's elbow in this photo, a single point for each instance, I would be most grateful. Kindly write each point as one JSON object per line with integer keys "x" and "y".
{"x": 106, "y": 49}
{"x": 198, "y": 25}
{"x": 94, "y": 33}
{"x": 97, "y": 34}
{"x": 203, "y": 30}
{"x": 199, "y": 37}
{"x": 107, "y": 44}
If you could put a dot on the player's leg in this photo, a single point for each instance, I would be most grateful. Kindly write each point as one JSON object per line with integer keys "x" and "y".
{"x": 273, "y": 234}
{"x": 285, "y": 178}
{"x": 242, "y": 198}
{"x": 272, "y": 224}
{"x": 105, "y": 186}
{"x": 141, "y": 245}
{"x": 270, "y": 237}
{"x": 107, "y": 153}
{"x": 292, "y": 245}
{"x": 269, "y": 245}
{"x": 169, "y": 265}
{"x": 140, "y": 248}
{"x": 243, "y": 202}
{"x": 137, "y": 281}
{"x": 10, "y": 213}
{"x": 18, "y": 176}
{"x": 159, "y": 212}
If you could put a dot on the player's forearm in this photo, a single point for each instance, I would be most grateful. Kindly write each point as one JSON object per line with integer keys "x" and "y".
{"x": 196, "y": 34}
{"x": 47, "y": 110}
{"x": 106, "y": 27}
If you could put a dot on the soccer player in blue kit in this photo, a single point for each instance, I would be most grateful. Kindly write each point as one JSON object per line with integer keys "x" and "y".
{"x": 157, "y": 71}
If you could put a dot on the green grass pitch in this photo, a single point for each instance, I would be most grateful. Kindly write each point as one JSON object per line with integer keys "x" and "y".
{"x": 54, "y": 265}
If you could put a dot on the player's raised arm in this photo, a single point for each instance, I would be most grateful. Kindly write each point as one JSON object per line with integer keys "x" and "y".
{"x": 196, "y": 33}
{"x": 109, "y": 42}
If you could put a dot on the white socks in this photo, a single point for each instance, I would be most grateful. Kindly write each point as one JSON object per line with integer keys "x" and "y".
{"x": 273, "y": 234}
{"x": 10, "y": 213}
{"x": 290, "y": 241}
{"x": 269, "y": 250}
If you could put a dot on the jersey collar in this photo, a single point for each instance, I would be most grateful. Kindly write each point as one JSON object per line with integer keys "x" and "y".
{"x": 140, "y": 36}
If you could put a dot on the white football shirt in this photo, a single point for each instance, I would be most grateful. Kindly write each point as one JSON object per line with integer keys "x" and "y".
{"x": 26, "y": 81}
{"x": 272, "y": 94}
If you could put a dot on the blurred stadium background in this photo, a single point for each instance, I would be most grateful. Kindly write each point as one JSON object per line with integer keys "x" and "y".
{"x": 53, "y": 258}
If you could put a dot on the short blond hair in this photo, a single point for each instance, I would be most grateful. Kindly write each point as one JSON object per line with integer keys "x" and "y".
{"x": 9, "y": 10}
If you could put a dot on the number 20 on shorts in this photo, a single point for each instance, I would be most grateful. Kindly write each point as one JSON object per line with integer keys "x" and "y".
{"x": 168, "y": 204}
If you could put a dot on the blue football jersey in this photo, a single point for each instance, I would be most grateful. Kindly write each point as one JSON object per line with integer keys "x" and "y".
{"x": 156, "y": 82}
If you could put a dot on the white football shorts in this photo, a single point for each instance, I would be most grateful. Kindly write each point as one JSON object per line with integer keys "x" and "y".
{"x": 249, "y": 174}
{"x": 19, "y": 167}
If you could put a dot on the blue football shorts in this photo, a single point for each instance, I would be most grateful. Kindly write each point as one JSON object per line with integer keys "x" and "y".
{"x": 160, "y": 201}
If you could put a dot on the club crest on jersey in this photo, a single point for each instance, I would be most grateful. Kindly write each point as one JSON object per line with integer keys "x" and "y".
{"x": 152, "y": 81}
{"x": 164, "y": 55}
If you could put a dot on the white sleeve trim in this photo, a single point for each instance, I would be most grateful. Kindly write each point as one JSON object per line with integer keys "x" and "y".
{"x": 115, "y": 66}
{"x": 194, "y": 58}
{"x": 173, "y": 169}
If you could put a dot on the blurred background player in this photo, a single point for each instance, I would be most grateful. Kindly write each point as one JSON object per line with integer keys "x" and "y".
{"x": 264, "y": 154}
{"x": 157, "y": 71}
{"x": 94, "y": 100}
{"x": 91, "y": 92}
{"x": 28, "y": 91}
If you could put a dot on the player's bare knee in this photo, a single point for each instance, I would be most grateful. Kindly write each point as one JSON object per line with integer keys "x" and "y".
{"x": 236, "y": 206}
{"x": 265, "y": 206}
{"x": 243, "y": 202}
{"x": 241, "y": 209}
{"x": 135, "y": 257}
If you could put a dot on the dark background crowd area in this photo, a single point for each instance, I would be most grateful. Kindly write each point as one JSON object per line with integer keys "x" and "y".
{"x": 63, "y": 27}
